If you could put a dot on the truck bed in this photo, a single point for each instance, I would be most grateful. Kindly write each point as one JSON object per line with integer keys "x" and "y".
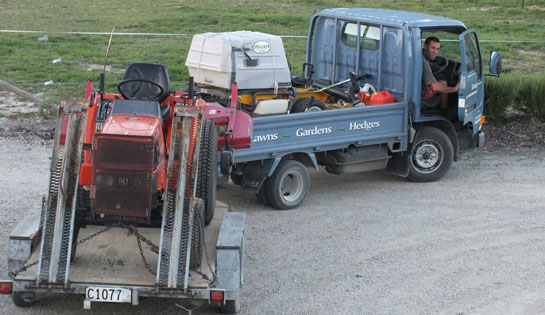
{"x": 277, "y": 135}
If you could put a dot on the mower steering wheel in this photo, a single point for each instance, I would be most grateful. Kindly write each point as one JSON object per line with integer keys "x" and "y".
{"x": 133, "y": 94}
{"x": 439, "y": 65}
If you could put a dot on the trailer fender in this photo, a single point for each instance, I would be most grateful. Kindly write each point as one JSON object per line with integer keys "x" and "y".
{"x": 230, "y": 256}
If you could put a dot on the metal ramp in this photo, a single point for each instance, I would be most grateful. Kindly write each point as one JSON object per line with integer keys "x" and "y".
{"x": 180, "y": 230}
{"x": 59, "y": 213}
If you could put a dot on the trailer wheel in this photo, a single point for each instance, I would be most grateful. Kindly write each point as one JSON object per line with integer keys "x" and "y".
{"x": 307, "y": 104}
{"x": 23, "y": 299}
{"x": 231, "y": 307}
{"x": 288, "y": 186}
{"x": 207, "y": 173}
{"x": 431, "y": 155}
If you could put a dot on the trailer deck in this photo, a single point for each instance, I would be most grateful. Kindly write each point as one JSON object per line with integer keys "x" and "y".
{"x": 112, "y": 259}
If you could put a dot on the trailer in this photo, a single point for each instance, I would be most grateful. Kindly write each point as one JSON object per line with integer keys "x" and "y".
{"x": 144, "y": 162}
{"x": 118, "y": 264}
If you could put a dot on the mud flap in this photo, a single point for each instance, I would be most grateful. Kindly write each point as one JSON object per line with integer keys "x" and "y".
{"x": 399, "y": 164}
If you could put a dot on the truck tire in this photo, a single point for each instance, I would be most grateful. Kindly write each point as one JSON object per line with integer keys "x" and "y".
{"x": 431, "y": 155}
{"x": 288, "y": 186}
{"x": 231, "y": 307}
{"x": 208, "y": 169}
{"x": 308, "y": 104}
{"x": 23, "y": 299}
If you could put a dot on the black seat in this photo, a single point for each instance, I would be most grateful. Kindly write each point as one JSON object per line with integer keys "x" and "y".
{"x": 145, "y": 81}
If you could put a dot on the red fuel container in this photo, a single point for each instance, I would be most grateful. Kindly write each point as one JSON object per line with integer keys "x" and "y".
{"x": 382, "y": 97}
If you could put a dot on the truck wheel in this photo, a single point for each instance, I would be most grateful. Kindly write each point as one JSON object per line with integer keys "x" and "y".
{"x": 262, "y": 193}
{"x": 431, "y": 155}
{"x": 231, "y": 307}
{"x": 207, "y": 174}
{"x": 308, "y": 104}
{"x": 23, "y": 299}
{"x": 288, "y": 186}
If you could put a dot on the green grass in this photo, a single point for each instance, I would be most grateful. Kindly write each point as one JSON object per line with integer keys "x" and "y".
{"x": 26, "y": 62}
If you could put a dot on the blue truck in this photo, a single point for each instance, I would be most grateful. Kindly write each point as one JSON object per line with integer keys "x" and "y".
{"x": 347, "y": 49}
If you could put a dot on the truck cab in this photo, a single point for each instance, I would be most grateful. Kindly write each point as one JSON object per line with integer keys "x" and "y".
{"x": 388, "y": 46}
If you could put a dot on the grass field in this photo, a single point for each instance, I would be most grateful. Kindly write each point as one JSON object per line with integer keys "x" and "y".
{"x": 26, "y": 62}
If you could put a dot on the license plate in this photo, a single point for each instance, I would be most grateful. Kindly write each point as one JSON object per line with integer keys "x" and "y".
{"x": 108, "y": 294}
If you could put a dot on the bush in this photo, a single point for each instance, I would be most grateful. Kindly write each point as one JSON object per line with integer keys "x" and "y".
{"x": 498, "y": 97}
{"x": 525, "y": 94}
{"x": 531, "y": 96}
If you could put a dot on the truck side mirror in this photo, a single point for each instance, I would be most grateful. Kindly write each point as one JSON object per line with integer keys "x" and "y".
{"x": 495, "y": 63}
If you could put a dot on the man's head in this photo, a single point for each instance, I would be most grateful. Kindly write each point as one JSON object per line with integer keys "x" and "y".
{"x": 431, "y": 47}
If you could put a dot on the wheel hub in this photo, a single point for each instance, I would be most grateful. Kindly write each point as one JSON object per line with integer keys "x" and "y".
{"x": 427, "y": 156}
{"x": 291, "y": 187}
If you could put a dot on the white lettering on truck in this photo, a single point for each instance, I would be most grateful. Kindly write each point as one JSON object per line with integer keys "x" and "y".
{"x": 365, "y": 125}
{"x": 268, "y": 137}
{"x": 314, "y": 131}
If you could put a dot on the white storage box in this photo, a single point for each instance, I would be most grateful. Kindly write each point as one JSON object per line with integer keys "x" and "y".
{"x": 259, "y": 60}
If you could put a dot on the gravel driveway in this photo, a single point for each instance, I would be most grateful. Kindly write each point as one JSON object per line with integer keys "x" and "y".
{"x": 371, "y": 243}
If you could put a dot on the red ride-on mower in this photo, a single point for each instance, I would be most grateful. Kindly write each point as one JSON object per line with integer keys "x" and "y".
{"x": 147, "y": 156}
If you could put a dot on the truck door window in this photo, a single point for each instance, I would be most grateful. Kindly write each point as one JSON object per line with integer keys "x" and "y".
{"x": 473, "y": 58}
{"x": 369, "y": 36}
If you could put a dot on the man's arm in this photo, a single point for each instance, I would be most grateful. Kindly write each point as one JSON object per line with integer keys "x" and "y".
{"x": 443, "y": 88}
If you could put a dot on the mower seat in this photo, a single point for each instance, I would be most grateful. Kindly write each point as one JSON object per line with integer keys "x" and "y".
{"x": 145, "y": 81}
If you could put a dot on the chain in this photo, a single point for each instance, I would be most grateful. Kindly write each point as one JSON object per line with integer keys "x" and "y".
{"x": 154, "y": 248}
{"x": 24, "y": 268}
{"x": 215, "y": 278}
{"x": 93, "y": 235}
{"x": 134, "y": 229}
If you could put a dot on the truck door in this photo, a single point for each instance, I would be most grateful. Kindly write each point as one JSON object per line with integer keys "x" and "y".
{"x": 471, "y": 92}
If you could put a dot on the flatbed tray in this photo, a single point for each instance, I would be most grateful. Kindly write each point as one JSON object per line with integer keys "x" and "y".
{"x": 113, "y": 257}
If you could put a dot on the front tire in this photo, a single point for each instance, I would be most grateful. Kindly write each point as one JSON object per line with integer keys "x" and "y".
{"x": 431, "y": 155}
{"x": 288, "y": 186}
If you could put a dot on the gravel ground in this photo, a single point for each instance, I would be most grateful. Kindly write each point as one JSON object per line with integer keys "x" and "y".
{"x": 372, "y": 243}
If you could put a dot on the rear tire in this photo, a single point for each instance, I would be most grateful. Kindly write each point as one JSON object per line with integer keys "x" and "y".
{"x": 308, "y": 104}
{"x": 288, "y": 186}
{"x": 431, "y": 155}
{"x": 231, "y": 307}
{"x": 208, "y": 164}
{"x": 23, "y": 299}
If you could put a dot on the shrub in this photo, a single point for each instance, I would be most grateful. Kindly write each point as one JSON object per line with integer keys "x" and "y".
{"x": 524, "y": 94}
{"x": 498, "y": 97}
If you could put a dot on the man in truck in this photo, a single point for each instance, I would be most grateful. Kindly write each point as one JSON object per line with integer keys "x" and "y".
{"x": 434, "y": 89}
